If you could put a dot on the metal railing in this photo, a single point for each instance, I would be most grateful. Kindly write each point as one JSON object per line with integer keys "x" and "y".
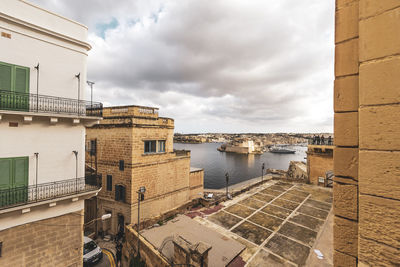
{"x": 321, "y": 142}
{"x": 49, "y": 104}
{"x": 41, "y": 192}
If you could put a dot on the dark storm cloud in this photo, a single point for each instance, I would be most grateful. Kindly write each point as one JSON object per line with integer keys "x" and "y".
{"x": 265, "y": 64}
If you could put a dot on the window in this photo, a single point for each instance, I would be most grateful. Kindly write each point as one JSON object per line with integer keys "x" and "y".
{"x": 121, "y": 165}
{"x": 161, "y": 146}
{"x": 14, "y": 174}
{"x": 93, "y": 147}
{"x": 109, "y": 182}
{"x": 149, "y": 146}
{"x": 14, "y": 84}
{"x": 120, "y": 193}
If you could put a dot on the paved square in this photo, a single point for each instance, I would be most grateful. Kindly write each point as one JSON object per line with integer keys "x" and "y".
{"x": 280, "y": 221}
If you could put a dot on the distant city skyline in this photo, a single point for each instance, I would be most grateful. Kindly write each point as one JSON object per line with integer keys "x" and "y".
{"x": 229, "y": 66}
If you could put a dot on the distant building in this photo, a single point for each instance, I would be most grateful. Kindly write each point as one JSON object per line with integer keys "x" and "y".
{"x": 320, "y": 164}
{"x": 42, "y": 129}
{"x": 133, "y": 147}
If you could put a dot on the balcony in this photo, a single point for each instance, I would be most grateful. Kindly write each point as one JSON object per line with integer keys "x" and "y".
{"x": 26, "y": 102}
{"x": 47, "y": 191}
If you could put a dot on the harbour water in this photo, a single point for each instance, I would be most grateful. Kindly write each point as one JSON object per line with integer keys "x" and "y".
{"x": 240, "y": 167}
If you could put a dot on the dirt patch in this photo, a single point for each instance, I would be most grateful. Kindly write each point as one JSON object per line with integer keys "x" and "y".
{"x": 285, "y": 204}
{"x": 263, "y": 197}
{"x": 317, "y": 213}
{"x": 307, "y": 221}
{"x": 298, "y": 193}
{"x": 318, "y": 194}
{"x": 240, "y": 210}
{"x": 318, "y": 204}
{"x": 252, "y": 203}
{"x": 278, "y": 188}
{"x": 276, "y": 211}
{"x": 289, "y": 249}
{"x": 266, "y": 220}
{"x": 300, "y": 233}
{"x": 224, "y": 219}
{"x": 252, "y": 232}
{"x": 213, "y": 209}
{"x": 264, "y": 258}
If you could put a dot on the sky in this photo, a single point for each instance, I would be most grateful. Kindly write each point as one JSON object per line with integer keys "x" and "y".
{"x": 214, "y": 66}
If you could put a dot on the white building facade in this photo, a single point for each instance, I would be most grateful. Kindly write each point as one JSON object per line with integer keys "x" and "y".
{"x": 42, "y": 134}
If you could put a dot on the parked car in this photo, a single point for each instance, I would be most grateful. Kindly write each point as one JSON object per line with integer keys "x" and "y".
{"x": 92, "y": 253}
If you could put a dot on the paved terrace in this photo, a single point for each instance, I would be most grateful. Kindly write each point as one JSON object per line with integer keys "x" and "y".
{"x": 278, "y": 222}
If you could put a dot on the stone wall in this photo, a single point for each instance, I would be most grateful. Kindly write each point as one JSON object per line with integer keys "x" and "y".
{"x": 367, "y": 156}
{"x": 52, "y": 242}
{"x": 196, "y": 183}
{"x": 318, "y": 162}
{"x": 297, "y": 171}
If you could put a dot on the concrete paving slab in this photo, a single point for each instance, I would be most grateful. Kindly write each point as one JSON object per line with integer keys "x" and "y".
{"x": 224, "y": 219}
{"x": 271, "y": 192}
{"x": 294, "y": 198}
{"x": 264, "y": 258}
{"x": 317, "y": 213}
{"x": 300, "y": 233}
{"x": 278, "y": 188}
{"x": 288, "y": 249}
{"x": 263, "y": 197}
{"x": 223, "y": 249}
{"x": 307, "y": 221}
{"x": 252, "y": 232}
{"x": 276, "y": 211}
{"x": 265, "y": 220}
{"x": 252, "y": 203}
{"x": 240, "y": 210}
{"x": 290, "y": 205}
{"x": 297, "y": 192}
{"x": 318, "y": 204}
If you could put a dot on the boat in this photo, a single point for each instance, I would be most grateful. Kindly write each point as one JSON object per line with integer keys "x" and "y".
{"x": 280, "y": 150}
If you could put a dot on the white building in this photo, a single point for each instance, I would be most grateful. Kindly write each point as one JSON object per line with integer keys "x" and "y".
{"x": 42, "y": 136}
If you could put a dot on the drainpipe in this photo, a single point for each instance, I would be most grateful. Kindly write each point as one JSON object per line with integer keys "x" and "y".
{"x": 37, "y": 161}
{"x": 76, "y": 169}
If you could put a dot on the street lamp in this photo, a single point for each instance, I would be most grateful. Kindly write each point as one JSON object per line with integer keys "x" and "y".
{"x": 262, "y": 171}
{"x": 76, "y": 169}
{"x": 140, "y": 192}
{"x": 227, "y": 181}
{"x": 90, "y": 83}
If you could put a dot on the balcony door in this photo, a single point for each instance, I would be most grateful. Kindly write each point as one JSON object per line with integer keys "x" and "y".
{"x": 14, "y": 87}
{"x": 13, "y": 180}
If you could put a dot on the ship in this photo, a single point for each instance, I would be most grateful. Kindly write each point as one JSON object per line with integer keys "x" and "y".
{"x": 280, "y": 150}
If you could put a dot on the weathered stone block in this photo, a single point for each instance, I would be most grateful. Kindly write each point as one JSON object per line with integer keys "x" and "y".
{"x": 376, "y": 254}
{"x": 380, "y": 172}
{"x": 346, "y": 94}
{"x": 370, "y": 8}
{"x": 379, "y": 35}
{"x": 346, "y": 26}
{"x": 380, "y": 82}
{"x": 345, "y": 236}
{"x": 379, "y": 127}
{"x": 346, "y": 58}
{"x": 345, "y": 200}
{"x": 346, "y": 129}
{"x": 379, "y": 220}
{"x": 343, "y": 260}
{"x": 345, "y": 162}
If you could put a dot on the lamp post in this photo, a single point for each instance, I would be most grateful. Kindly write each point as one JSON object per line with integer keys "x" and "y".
{"x": 140, "y": 192}
{"x": 262, "y": 171}
{"x": 227, "y": 181}
{"x": 76, "y": 169}
{"x": 90, "y": 83}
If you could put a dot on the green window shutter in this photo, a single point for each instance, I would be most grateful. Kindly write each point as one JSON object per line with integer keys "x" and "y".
{"x": 21, "y": 80}
{"x": 5, "y": 173}
{"x": 5, "y": 77}
{"x": 21, "y": 171}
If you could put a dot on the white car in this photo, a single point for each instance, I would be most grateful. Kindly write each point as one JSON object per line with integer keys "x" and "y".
{"x": 92, "y": 253}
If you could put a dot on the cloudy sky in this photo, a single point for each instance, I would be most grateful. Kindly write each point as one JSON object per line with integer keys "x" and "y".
{"x": 213, "y": 66}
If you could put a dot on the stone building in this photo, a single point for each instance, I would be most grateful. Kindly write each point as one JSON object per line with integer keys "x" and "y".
{"x": 367, "y": 153}
{"x": 319, "y": 163}
{"x": 134, "y": 148}
{"x": 42, "y": 129}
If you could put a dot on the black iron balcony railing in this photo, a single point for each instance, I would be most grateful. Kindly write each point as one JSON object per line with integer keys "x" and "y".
{"x": 41, "y": 192}
{"x": 49, "y": 104}
{"x": 321, "y": 142}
